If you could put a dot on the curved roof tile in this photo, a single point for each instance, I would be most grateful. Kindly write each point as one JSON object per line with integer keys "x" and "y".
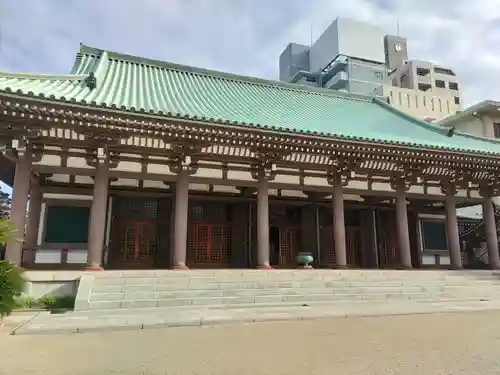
{"x": 142, "y": 85}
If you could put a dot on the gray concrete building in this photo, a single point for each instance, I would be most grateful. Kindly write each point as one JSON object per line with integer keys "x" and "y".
{"x": 359, "y": 58}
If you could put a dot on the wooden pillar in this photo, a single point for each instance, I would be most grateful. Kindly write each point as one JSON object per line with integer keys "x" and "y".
{"x": 20, "y": 194}
{"x": 338, "y": 177}
{"x": 98, "y": 215}
{"x": 180, "y": 220}
{"x": 308, "y": 230}
{"x": 35, "y": 208}
{"x": 339, "y": 226}
{"x": 491, "y": 230}
{"x": 402, "y": 224}
{"x": 452, "y": 235}
{"x": 263, "y": 261}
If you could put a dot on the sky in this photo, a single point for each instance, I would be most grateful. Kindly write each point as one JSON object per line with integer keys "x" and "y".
{"x": 247, "y": 36}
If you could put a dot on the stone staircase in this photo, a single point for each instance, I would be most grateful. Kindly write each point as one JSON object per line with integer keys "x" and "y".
{"x": 259, "y": 288}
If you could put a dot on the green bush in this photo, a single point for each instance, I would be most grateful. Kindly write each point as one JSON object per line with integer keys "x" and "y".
{"x": 24, "y": 302}
{"x": 7, "y": 232}
{"x": 53, "y": 302}
{"x": 11, "y": 287}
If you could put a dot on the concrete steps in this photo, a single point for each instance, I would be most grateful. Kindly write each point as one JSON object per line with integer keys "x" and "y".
{"x": 244, "y": 288}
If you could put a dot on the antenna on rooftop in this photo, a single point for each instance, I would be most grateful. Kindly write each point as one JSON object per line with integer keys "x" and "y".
{"x": 397, "y": 26}
{"x": 311, "y": 35}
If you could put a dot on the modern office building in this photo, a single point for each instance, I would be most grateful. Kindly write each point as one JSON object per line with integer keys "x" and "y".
{"x": 348, "y": 56}
{"x": 361, "y": 59}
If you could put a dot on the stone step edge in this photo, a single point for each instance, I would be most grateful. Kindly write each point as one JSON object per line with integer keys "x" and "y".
{"x": 136, "y": 296}
{"x": 148, "y": 288}
{"x": 306, "y": 299}
{"x": 176, "y": 309}
{"x": 353, "y": 283}
{"x": 265, "y": 316}
{"x": 290, "y": 303}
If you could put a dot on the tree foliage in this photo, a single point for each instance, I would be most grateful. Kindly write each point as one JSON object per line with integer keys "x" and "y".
{"x": 11, "y": 277}
{"x": 6, "y": 232}
{"x": 5, "y": 202}
{"x": 12, "y": 285}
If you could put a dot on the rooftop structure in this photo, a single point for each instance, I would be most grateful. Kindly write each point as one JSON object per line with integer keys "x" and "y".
{"x": 359, "y": 58}
{"x": 257, "y": 171}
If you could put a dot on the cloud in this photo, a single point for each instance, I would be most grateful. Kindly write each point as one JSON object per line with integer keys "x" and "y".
{"x": 247, "y": 36}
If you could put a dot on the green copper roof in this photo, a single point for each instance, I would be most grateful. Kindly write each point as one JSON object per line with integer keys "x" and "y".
{"x": 147, "y": 86}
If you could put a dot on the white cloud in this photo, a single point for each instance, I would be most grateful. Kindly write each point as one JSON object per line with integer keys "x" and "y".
{"x": 247, "y": 36}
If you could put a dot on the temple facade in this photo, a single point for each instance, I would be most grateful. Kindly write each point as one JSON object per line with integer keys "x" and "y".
{"x": 131, "y": 163}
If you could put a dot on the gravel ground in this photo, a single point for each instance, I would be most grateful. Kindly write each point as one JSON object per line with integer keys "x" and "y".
{"x": 457, "y": 343}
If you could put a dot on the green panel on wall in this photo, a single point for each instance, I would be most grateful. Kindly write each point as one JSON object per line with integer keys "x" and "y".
{"x": 434, "y": 235}
{"x": 67, "y": 224}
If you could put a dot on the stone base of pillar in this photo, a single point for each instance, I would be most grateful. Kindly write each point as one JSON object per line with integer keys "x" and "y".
{"x": 179, "y": 268}
{"x": 305, "y": 267}
{"x": 94, "y": 268}
{"x": 456, "y": 268}
{"x": 404, "y": 267}
{"x": 264, "y": 267}
{"x": 345, "y": 267}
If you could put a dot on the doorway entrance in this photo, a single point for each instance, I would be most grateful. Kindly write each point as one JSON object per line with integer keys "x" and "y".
{"x": 209, "y": 246}
{"x": 283, "y": 244}
{"x": 274, "y": 246}
{"x": 135, "y": 244}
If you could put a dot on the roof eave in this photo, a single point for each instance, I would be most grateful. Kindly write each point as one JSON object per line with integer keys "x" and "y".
{"x": 480, "y": 107}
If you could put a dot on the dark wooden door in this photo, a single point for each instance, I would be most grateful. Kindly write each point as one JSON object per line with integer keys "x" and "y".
{"x": 136, "y": 244}
{"x": 387, "y": 240}
{"x": 209, "y": 246}
{"x": 353, "y": 246}
{"x": 289, "y": 241}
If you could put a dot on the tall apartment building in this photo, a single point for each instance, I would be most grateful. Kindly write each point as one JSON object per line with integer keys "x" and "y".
{"x": 348, "y": 56}
{"x": 361, "y": 59}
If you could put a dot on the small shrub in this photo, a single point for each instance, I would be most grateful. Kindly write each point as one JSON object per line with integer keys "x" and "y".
{"x": 25, "y": 302}
{"x": 11, "y": 287}
{"x": 54, "y": 303}
{"x": 7, "y": 232}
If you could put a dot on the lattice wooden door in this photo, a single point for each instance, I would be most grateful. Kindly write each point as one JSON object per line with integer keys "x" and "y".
{"x": 388, "y": 242}
{"x": 353, "y": 246}
{"x": 209, "y": 245}
{"x": 137, "y": 244}
{"x": 288, "y": 246}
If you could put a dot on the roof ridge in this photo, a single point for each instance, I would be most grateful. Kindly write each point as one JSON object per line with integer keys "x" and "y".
{"x": 437, "y": 128}
{"x": 416, "y": 121}
{"x": 223, "y": 75}
{"x": 477, "y": 137}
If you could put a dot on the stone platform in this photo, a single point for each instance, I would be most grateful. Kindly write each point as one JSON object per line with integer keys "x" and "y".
{"x": 260, "y": 288}
{"x": 149, "y": 299}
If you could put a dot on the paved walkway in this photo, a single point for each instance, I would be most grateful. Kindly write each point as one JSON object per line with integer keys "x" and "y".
{"x": 434, "y": 344}
{"x": 88, "y": 321}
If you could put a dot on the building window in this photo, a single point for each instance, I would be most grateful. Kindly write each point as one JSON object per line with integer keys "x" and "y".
{"x": 379, "y": 75}
{"x": 433, "y": 234}
{"x": 496, "y": 129}
{"x": 311, "y": 79}
{"x": 422, "y": 71}
{"x": 67, "y": 224}
{"x": 440, "y": 84}
{"x": 457, "y": 100}
{"x": 404, "y": 80}
{"x": 424, "y": 86}
{"x": 447, "y": 72}
{"x": 453, "y": 85}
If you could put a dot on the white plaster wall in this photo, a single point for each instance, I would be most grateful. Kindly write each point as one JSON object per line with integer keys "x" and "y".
{"x": 55, "y": 283}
